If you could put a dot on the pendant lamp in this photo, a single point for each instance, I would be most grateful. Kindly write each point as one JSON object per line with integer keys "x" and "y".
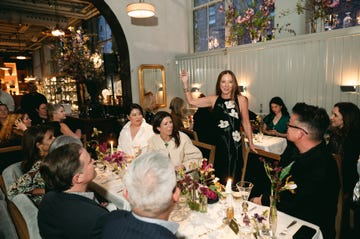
{"x": 140, "y": 10}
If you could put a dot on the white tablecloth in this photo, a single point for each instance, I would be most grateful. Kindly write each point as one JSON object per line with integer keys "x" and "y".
{"x": 271, "y": 144}
{"x": 210, "y": 225}
{"x": 110, "y": 186}
{"x": 195, "y": 224}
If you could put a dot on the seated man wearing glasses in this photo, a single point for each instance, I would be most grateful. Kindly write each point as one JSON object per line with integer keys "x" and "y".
{"x": 150, "y": 188}
{"x": 314, "y": 171}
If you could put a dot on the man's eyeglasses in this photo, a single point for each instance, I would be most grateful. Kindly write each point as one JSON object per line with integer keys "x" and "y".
{"x": 297, "y": 127}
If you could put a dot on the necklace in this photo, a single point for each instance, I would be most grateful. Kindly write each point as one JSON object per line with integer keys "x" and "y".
{"x": 166, "y": 143}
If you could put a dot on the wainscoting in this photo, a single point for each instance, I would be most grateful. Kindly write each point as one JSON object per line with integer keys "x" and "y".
{"x": 308, "y": 68}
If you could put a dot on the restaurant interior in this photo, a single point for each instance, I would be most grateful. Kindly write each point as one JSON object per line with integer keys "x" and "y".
{"x": 300, "y": 58}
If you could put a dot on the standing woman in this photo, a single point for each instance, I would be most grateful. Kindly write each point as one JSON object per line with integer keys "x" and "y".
{"x": 230, "y": 109}
{"x": 275, "y": 123}
{"x": 344, "y": 137}
{"x": 56, "y": 115}
{"x": 133, "y": 138}
{"x": 177, "y": 107}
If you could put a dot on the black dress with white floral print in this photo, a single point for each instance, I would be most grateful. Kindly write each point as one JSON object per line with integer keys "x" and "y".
{"x": 229, "y": 160}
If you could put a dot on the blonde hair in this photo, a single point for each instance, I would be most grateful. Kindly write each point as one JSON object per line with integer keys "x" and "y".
{"x": 148, "y": 101}
{"x": 8, "y": 127}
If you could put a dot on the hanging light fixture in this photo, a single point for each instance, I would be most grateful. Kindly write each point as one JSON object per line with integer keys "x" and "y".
{"x": 140, "y": 9}
{"x": 2, "y": 65}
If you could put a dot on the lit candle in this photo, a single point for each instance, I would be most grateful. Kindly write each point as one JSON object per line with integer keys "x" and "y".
{"x": 111, "y": 147}
{"x": 228, "y": 186}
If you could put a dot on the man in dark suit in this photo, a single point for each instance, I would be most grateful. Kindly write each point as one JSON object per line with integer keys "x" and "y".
{"x": 150, "y": 188}
{"x": 68, "y": 210}
{"x": 314, "y": 170}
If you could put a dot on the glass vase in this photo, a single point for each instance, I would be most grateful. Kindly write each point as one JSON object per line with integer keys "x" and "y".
{"x": 273, "y": 215}
{"x": 347, "y": 22}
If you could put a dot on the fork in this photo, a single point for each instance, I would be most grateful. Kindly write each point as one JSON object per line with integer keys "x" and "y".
{"x": 285, "y": 231}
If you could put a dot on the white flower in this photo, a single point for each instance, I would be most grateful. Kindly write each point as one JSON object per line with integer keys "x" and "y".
{"x": 236, "y": 136}
{"x": 229, "y": 104}
{"x": 289, "y": 186}
{"x": 234, "y": 114}
{"x": 223, "y": 124}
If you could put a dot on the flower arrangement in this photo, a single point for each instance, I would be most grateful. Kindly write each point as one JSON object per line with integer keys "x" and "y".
{"x": 276, "y": 174}
{"x": 256, "y": 125}
{"x": 103, "y": 154}
{"x": 199, "y": 184}
{"x": 255, "y": 19}
{"x": 317, "y": 9}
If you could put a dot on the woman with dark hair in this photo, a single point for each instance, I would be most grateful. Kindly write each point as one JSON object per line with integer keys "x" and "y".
{"x": 134, "y": 136}
{"x": 230, "y": 110}
{"x": 177, "y": 106}
{"x": 35, "y": 146}
{"x": 275, "y": 123}
{"x": 174, "y": 143}
{"x": 344, "y": 135}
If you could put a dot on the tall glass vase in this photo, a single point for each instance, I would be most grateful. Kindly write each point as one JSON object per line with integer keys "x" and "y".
{"x": 273, "y": 214}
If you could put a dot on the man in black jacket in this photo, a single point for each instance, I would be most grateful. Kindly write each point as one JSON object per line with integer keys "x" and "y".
{"x": 68, "y": 210}
{"x": 314, "y": 171}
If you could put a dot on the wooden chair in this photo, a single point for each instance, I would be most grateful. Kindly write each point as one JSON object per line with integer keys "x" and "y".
{"x": 24, "y": 215}
{"x": 206, "y": 149}
{"x": 339, "y": 212}
{"x": 191, "y": 133}
{"x": 10, "y": 149}
{"x": 267, "y": 154}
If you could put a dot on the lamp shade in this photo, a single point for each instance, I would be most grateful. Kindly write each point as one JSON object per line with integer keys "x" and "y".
{"x": 140, "y": 10}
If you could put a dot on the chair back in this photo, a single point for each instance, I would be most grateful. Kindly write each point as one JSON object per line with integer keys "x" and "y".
{"x": 11, "y": 174}
{"x": 339, "y": 212}
{"x": 267, "y": 154}
{"x": 7, "y": 228}
{"x": 191, "y": 133}
{"x": 207, "y": 150}
{"x": 24, "y": 215}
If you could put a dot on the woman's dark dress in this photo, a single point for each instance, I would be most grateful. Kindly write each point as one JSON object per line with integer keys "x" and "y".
{"x": 229, "y": 160}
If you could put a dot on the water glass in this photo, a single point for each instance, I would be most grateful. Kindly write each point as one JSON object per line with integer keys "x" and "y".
{"x": 244, "y": 188}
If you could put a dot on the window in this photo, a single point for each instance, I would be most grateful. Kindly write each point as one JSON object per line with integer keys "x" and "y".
{"x": 209, "y": 24}
{"x": 210, "y": 18}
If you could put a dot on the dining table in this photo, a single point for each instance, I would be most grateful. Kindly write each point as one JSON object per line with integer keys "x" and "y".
{"x": 194, "y": 224}
{"x": 269, "y": 143}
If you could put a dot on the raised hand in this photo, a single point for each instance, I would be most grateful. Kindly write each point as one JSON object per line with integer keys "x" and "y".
{"x": 184, "y": 77}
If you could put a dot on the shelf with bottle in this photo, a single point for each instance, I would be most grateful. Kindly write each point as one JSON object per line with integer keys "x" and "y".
{"x": 60, "y": 90}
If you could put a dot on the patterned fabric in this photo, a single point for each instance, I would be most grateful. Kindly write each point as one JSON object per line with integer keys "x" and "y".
{"x": 27, "y": 183}
{"x": 228, "y": 161}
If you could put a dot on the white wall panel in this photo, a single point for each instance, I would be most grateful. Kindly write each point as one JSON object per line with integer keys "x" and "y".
{"x": 307, "y": 68}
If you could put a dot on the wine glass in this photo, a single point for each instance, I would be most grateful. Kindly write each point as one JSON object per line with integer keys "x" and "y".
{"x": 245, "y": 188}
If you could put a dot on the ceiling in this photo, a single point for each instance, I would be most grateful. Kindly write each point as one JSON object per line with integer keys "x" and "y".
{"x": 24, "y": 24}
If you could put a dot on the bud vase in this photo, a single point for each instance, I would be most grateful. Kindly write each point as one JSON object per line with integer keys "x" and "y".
{"x": 197, "y": 201}
{"x": 273, "y": 215}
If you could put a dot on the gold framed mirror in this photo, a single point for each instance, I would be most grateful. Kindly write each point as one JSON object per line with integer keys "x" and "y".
{"x": 152, "y": 80}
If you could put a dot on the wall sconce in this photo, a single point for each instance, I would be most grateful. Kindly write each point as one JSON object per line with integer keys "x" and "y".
{"x": 195, "y": 90}
{"x": 242, "y": 88}
{"x": 348, "y": 88}
{"x": 160, "y": 87}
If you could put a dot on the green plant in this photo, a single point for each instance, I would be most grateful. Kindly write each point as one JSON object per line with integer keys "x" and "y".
{"x": 315, "y": 9}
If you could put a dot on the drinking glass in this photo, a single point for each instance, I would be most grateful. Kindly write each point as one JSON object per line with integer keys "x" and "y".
{"x": 244, "y": 188}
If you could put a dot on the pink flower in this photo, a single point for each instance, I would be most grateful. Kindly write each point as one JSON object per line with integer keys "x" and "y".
{"x": 250, "y": 12}
{"x": 103, "y": 147}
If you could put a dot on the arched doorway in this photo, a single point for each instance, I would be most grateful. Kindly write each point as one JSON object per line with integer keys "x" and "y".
{"x": 123, "y": 51}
